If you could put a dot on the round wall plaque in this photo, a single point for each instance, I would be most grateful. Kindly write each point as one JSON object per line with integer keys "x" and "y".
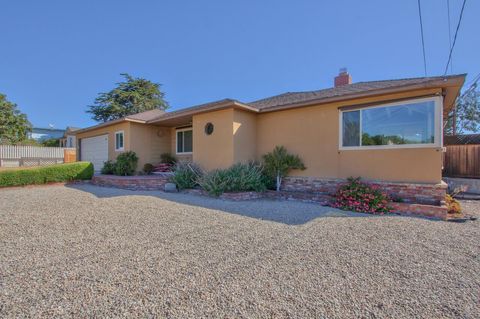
{"x": 208, "y": 128}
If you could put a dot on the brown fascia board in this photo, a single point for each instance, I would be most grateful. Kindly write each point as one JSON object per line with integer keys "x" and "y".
{"x": 441, "y": 83}
{"x": 209, "y": 107}
{"x": 94, "y": 127}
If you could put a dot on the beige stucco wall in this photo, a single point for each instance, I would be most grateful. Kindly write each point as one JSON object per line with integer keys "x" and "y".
{"x": 215, "y": 150}
{"x": 149, "y": 142}
{"x": 244, "y": 136}
{"x": 313, "y": 134}
{"x": 110, "y": 130}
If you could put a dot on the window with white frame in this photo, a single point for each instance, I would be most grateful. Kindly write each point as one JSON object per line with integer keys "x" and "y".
{"x": 119, "y": 140}
{"x": 184, "y": 141}
{"x": 413, "y": 123}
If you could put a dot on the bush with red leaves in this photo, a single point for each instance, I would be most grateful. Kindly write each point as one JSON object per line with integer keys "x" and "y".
{"x": 361, "y": 197}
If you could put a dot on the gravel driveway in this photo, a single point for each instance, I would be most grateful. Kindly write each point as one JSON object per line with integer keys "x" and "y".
{"x": 83, "y": 251}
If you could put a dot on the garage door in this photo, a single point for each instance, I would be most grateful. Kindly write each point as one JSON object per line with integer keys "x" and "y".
{"x": 95, "y": 150}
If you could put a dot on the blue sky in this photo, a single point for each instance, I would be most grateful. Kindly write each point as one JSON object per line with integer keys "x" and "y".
{"x": 57, "y": 56}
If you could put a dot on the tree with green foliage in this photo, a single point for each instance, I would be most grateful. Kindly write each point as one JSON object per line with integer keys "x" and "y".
{"x": 279, "y": 162}
{"x": 14, "y": 125}
{"x": 134, "y": 95}
{"x": 51, "y": 142}
{"x": 465, "y": 117}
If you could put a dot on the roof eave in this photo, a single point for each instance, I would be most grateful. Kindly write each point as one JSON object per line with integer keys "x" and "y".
{"x": 452, "y": 82}
{"x": 199, "y": 110}
{"x": 105, "y": 124}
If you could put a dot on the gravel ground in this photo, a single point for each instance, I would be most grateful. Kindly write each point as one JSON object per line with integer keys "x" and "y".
{"x": 87, "y": 251}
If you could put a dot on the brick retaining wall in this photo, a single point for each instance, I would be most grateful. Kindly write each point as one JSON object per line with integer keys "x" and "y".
{"x": 431, "y": 194}
{"x": 236, "y": 196}
{"x": 430, "y": 211}
{"x": 147, "y": 182}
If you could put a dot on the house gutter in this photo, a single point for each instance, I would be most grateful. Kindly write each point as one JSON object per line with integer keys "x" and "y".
{"x": 440, "y": 84}
{"x": 90, "y": 128}
{"x": 221, "y": 105}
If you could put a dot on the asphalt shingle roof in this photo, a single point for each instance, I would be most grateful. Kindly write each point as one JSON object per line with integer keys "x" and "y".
{"x": 147, "y": 115}
{"x": 344, "y": 90}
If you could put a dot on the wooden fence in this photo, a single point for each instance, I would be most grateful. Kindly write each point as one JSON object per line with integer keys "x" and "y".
{"x": 462, "y": 161}
{"x": 14, "y": 156}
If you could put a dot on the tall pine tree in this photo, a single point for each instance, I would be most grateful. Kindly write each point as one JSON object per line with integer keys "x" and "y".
{"x": 133, "y": 95}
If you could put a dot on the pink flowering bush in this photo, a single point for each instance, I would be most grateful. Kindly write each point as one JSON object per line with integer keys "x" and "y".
{"x": 361, "y": 197}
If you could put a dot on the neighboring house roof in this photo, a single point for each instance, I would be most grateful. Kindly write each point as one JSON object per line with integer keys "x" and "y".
{"x": 461, "y": 139}
{"x": 69, "y": 130}
{"x": 451, "y": 85}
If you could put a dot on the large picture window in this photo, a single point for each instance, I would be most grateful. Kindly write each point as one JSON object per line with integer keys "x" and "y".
{"x": 413, "y": 123}
{"x": 184, "y": 141}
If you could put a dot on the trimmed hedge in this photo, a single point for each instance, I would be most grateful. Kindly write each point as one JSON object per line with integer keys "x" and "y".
{"x": 46, "y": 174}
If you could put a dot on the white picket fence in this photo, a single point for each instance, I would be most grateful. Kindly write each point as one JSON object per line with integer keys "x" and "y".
{"x": 14, "y": 156}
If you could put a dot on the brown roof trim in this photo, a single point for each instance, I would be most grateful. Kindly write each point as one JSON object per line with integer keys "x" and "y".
{"x": 453, "y": 81}
{"x": 105, "y": 124}
{"x": 203, "y": 108}
{"x": 369, "y": 104}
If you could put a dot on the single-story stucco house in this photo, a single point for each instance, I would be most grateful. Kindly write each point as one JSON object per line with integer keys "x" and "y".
{"x": 389, "y": 131}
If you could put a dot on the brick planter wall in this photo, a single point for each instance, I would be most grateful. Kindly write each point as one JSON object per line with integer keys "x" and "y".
{"x": 321, "y": 199}
{"x": 238, "y": 196}
{"x": 431, "y": 194}
{"x": 431, "y": 211}
{"x": 148, "y": 182}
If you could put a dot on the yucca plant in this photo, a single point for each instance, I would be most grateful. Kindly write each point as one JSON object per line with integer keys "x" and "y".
{"x": 279, "y": 162}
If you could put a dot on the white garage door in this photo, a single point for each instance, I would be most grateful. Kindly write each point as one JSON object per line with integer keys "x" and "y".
{"x": 95, "y": 150}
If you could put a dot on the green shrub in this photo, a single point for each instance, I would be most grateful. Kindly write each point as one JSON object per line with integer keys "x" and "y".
{"x": 108, "y": 168}
{"x": 237, "y": 178}
{"x": 278, "y": 163}
{"x": 186, "y": 175}
{"x": 361, "y": 197}
{"x": 126, "y": 164}
{"x": 47, "y": 174}
{"x": 168, "y": 158}
{"x": 148, "y": 168}
{"x": 215, "y": 182}
{"x": 245, "y": 177}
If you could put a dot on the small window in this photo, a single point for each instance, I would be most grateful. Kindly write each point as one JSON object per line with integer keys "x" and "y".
{"x": 119, "y": 141}
{"x": 184, "y": 141}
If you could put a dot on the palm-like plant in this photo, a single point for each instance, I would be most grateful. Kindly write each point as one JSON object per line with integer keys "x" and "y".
{"x": 279, "y": 162}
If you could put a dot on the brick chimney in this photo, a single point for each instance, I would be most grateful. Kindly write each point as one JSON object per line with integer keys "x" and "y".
{"x": 343, "y": 78}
